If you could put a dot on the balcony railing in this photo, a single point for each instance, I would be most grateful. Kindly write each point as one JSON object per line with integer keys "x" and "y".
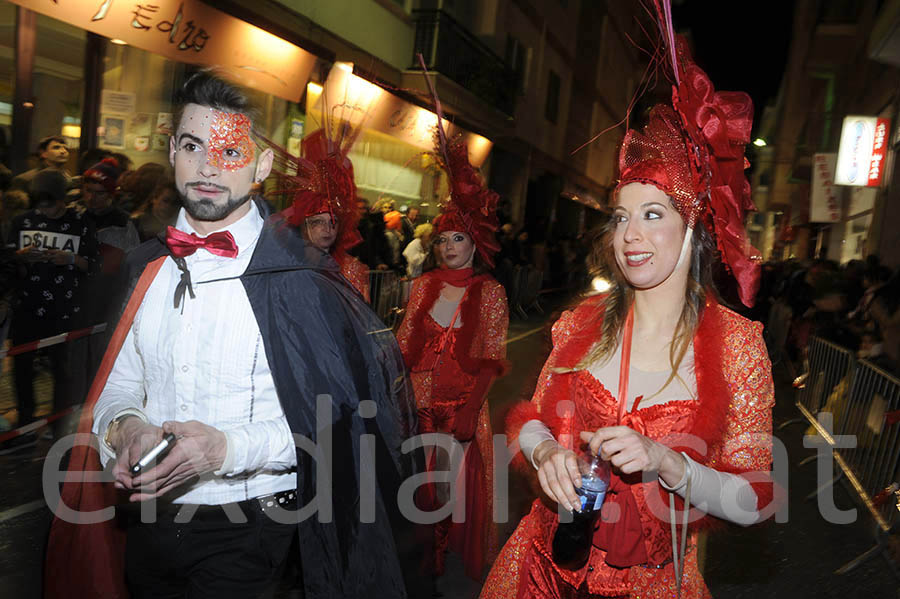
{"x": 451, "y": 50}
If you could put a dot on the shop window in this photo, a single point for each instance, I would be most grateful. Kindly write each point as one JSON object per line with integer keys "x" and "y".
{"x": 136, "y": 103}
{"x": 57, "y": 81}
{"x": 551, "y": 108}
{"x": 136, "y": 106}
{"x": 386, "y": 167}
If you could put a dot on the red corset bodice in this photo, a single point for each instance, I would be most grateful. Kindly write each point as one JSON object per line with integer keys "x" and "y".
{"x": 596, "y": 407}
{"x": 450, "y": 384}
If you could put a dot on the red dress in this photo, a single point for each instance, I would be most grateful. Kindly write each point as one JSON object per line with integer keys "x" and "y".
{"x": 450, "y": 369}
{"x": 357, "y": 273}
{"x": 732, "y": 416}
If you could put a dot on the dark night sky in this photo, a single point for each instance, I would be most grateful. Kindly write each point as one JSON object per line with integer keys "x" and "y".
{"x": 742, "y": 46}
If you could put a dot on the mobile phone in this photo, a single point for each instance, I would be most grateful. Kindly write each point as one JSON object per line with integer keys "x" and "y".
{"x": 157, "y": 453}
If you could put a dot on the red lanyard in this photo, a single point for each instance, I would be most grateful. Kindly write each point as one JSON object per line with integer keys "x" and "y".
{"x": 625, "y": 364}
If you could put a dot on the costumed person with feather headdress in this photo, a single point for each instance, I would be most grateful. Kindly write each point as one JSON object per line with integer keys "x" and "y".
{"x": 453, "y": 340}
{"x": 324, "y": 206}
{"x": 670, "y": 387}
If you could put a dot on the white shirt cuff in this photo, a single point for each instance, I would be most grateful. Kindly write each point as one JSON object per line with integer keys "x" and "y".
{"x": 228, "y": 464}
{"x": 533, "y": 433}
{"x": 684, "y": 477}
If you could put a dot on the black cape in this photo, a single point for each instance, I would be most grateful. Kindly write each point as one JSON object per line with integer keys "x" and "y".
{"x": 321, "y": 338}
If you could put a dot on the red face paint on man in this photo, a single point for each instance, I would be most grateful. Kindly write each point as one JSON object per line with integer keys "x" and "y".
{"x": 213, "y": 154}
{"x": 230, "y": 145}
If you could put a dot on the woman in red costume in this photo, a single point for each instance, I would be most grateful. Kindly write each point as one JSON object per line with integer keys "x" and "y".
{"x": 453, "y": 339}
{"x": 324, "y": 205}
{"x": 668, "y": 385}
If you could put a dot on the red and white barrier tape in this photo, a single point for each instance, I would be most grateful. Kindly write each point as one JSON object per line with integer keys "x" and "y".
{"x": 54, "y": 340}
{"x": 36, "y": 425}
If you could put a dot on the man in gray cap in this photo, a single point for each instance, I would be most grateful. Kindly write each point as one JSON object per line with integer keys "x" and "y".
{"x": 56, "y": 248}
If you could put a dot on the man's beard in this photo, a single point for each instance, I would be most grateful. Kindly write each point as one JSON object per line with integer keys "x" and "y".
{"x": 207, "y": 210}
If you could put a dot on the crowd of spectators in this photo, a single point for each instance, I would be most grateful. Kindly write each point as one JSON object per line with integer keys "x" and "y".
{"x": 855, "y": 305}
{"x": 64, "y": 239}
{"x": 67, "y": 222}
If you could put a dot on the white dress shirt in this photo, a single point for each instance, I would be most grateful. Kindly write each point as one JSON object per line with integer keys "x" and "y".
{"x": 206, "y": 362}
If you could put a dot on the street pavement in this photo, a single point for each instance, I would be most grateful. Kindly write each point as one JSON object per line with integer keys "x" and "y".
{"x": 792, "y": 559}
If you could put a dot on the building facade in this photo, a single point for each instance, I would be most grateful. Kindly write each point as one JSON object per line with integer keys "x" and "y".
{"x": 525, "y": 81}
{"x": 843, "y": 60}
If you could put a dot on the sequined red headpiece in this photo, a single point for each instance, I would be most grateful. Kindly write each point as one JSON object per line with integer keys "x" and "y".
{"x": 694, "y": 152}
{"x": 472, "y": 207}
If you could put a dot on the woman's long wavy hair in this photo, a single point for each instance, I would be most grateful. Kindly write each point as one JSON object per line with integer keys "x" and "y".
{"x": 602, "y": 262}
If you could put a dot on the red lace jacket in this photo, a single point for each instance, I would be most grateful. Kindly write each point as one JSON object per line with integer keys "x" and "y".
{"x": 731, "y": 419}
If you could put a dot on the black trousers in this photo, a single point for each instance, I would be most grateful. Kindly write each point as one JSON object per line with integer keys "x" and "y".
{"x": 209, "y": 556}
{"x": 23, "y": 371}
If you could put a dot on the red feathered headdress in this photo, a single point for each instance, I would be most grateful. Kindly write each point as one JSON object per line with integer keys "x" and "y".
{"x": 694, "y": 152}
{"x": 322, "y": 182}
{"x": 472, "y": 207}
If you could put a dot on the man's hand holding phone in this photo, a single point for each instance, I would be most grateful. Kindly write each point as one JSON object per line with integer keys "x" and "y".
{"x": 198, "y": 449}
{"x": 132, "y": 438}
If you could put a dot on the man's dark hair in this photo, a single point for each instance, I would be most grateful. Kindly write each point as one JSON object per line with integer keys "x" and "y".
{"x": 90, "y": 157}
{"x": 204, "y": 88}
{"x": 42, "y": 145}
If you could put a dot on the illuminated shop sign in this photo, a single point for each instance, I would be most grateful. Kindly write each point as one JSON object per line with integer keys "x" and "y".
{"x": 824, "y": 202}
{"x": 863, "y": 151}
{"x": 357, "y": 101}
{"x": 193, "y": 32}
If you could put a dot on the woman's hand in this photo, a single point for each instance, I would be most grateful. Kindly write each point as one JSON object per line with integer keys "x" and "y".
{"x": 629, "y": 451}
{"x": 558, "y": 473}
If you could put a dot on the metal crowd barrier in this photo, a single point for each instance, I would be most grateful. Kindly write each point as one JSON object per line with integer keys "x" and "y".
{"x": 864, "y": 401}
{"x": 388, "y": 293}
{"x": 78, "y": 369}
{"x": 830, "y": 365}
{"x": 875, "y": 459}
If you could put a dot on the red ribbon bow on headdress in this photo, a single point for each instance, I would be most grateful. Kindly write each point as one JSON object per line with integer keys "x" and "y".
{"x": 722, "y": 122}
{"x": 695, "y": 154}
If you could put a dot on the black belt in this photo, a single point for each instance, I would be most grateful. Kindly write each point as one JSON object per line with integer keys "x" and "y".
{"x": 285, "y": 500}
{"x": 252, "y": 509}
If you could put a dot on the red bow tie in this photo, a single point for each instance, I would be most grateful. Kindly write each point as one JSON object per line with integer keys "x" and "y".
{"x": 182, "y": 244}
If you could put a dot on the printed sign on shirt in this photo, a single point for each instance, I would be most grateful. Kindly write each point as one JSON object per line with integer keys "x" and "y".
{"x": 49, "y": 240}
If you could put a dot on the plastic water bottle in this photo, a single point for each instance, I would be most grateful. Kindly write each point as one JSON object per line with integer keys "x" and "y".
{"x": 573, "y": 540}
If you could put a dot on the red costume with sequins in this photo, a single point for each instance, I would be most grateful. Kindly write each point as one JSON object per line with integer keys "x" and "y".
{"x": 732, "y": 416}
{"x": 450, "y": 380}
{"x": 355, "y": 272}
{"x": 323, "y": 184}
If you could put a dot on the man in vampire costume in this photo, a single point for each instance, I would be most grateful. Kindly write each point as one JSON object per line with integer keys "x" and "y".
{"x": 233, "y": 332}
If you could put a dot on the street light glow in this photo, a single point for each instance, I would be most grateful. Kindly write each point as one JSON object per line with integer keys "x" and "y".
{"x": 759, "y": 142}
{"x": 601, "y": 285}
